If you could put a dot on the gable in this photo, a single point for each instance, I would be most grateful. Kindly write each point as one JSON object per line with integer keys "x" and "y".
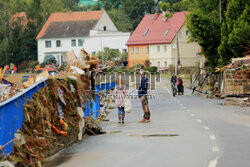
{"x": 105, "y": 20}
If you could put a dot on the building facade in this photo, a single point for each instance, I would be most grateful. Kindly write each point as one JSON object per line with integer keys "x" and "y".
{"x": 138, "y": 54}
{"x": 159, "y": 35}
{"x": 64, "y": 32}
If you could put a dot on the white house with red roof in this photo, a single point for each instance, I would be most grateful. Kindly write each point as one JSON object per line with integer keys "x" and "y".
{"x": 64, "y": 32}
{"x": 154, "y": 42}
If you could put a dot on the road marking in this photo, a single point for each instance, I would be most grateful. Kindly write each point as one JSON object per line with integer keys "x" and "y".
{"x": 198, "y": 120}
{"x": 184, "y": 107}
{"x": 181, "y": 104}
{"x": 215, "y": 149}
{"x": 188, "y": 110}
{"x": 205, "y": 127}
{"x": 213, "y": 163}
{"x": 192, "y": 115}
{"x": 212, "y": 137}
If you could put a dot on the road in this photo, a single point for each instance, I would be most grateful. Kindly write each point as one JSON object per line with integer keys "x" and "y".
{"x": 185, "y": 131}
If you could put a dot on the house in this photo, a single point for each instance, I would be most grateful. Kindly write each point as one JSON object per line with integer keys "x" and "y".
{"x": 64, "y": 32}
{"x": 154, "y": 40}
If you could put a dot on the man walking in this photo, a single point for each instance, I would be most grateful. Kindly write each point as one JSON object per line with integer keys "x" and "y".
{"x": 142, "y": 94}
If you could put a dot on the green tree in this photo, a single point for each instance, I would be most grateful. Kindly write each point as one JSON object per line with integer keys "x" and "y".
{"x": 120, "y": 19}
{"x": 234, "y": 31}
{"x": 111, "y": 4}
{"x": 109, "y": 54}
{"x": 136, "y": 9}
{"x": 206, "y": 32}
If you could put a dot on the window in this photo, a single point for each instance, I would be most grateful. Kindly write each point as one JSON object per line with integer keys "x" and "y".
{"x": 58, "y": 43}
{"x": 93, "y": 53}
{"x": 166, "y": 32}
{"x": 147, "y": 49}
{"x": 180, "y": 34}
{"x": 104, "y": 28}
{"x": 137, "y": 50}
{"x": 133, "y": 64}
{"x": 158, "y": 49}
{"x": 145, "y": 32}
{"x": 165, "y": 48}
{"x": 132, "y": 50}
{"x": 80, "y": 42}
{"x": 159, "y": 63}
{"x": 165, "y": 64}
{"x": 73, "y": 42}
{"x": 187, "y": 34}
{"x": 48, "y": 44}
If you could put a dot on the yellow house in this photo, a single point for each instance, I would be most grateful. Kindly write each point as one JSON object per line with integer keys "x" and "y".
{"x": 138, "y": 54}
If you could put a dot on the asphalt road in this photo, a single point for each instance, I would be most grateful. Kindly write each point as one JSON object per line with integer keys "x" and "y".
{"x": 185, "y": 131}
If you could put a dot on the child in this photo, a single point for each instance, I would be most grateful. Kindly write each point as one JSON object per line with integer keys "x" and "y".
{"x": 120, "y": 93}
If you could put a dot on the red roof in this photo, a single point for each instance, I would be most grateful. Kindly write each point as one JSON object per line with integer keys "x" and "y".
{"x": 21, "y": 15}
{"x": 157, "y": 27}
{"x": 73, "y": 16}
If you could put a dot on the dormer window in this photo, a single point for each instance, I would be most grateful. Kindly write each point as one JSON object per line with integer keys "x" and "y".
{"x": 104, "y": 28}
{"x": 166, "y": 32}
{"x": 146, "y": 31}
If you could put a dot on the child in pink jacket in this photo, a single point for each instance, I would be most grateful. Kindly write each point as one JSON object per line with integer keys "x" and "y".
{"x": 120, "y": 93}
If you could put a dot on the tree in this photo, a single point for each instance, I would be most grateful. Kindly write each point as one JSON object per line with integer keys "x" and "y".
{"x": 111, "y": 4}
{"x": 136, "y": 9}
{"x": 120, "y": 19}
{"x": 206, "y": 32}
{"x": 109, "y": 54}
{"x": 235, "y": 31}
{"x": 174, "y": 5}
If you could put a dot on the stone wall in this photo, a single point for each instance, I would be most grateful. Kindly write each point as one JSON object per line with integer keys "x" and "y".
{"x": 236, "y": 86}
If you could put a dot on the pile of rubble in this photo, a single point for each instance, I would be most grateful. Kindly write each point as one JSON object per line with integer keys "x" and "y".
{"x": 54, "y": 117}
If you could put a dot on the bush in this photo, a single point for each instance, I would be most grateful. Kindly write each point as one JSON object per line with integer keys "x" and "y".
{"x": 153, "y": 69}
{"x": 33, "y": 64}
{"x": 24, "y": 65}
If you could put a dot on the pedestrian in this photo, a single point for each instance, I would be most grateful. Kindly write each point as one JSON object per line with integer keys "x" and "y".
{"x": 120, "y": 93}
{"x": 174, "y": 79}
{"x": 15, "y": 70}
{"x": 142, "y": 94}
{"x": 180, "y": 86}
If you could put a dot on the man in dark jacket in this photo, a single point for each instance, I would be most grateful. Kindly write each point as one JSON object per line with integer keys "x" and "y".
{"x": 142, "y": 94}
{"x": 174, "y": 79}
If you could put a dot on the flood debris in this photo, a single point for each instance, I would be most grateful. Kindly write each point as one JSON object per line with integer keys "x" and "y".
{"x": 54, "y": 117}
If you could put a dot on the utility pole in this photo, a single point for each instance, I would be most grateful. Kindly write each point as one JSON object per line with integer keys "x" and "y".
{"x": 177, "y": 62}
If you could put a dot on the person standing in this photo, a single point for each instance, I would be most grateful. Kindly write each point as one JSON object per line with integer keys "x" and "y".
{"x": 142, "y": 94}
{"x": 180, "y": 86}
{"x": 15, "y": 70}
{"x": 120, "y": 93}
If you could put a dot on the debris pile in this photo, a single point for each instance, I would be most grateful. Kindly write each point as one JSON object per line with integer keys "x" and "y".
{"x": 54, "y": 117}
